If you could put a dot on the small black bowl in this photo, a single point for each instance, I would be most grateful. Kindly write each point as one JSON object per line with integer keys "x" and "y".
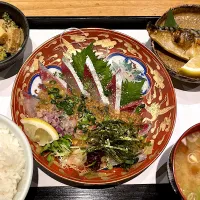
{"x": 19, "y": 18}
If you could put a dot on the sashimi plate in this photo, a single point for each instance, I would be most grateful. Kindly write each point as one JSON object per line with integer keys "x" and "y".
{"x": 123, "y": 54}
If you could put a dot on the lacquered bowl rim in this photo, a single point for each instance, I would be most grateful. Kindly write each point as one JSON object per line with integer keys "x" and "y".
{"x": 167, "y": 141}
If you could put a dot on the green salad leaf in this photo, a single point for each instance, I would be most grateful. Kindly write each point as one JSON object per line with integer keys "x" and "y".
{"x": 79, "y": 61}
{"x": 131, "y": 91}
{"x": 170, "y": 21}
{"x": 102, "y": 68}
{"x": 60, "y": 147}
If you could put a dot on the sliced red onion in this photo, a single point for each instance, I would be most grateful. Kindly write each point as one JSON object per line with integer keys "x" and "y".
{"x": 63, "y": 126}
{"x": 59, "y": 130}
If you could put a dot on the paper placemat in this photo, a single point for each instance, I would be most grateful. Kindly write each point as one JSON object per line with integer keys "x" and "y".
{"x": 188, "y": 107}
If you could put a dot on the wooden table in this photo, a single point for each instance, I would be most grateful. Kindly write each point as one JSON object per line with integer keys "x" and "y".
{"x": 97, "y": 7}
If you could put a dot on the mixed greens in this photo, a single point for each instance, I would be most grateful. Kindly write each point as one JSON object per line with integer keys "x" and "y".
{"x": 58, "y": 148}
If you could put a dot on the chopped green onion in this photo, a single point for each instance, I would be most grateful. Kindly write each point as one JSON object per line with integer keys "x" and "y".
{"x": 49, "y": 158}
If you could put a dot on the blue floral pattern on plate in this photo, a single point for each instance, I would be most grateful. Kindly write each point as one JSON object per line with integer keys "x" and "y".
{"x": 132, "y": 69}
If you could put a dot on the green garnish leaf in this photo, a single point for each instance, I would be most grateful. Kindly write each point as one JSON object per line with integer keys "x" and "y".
{"x": 68, "y": 104}
{"x": 79, "y": 61}
{"x": 131, "y": 91}
{"x": 170, "y": 21}
{"x": 102, "y": 68}
{"x": 45, "y": 148}
{"x": 139, "y": 108}
{"x": 55, "y": 73}
{"x": 50, "y": 158}
{"x": 61, "y": 76}
{"x": 130, "y": 162}
{"x": 9, "y": 22}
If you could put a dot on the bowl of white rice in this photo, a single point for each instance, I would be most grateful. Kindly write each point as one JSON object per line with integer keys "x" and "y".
{"x": 16, "y": 161}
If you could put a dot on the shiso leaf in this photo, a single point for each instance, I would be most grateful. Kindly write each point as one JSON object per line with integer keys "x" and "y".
{"x": 102, "y": 68}
{"x": 131, "y": 91}
{"x": 170, "y": 21}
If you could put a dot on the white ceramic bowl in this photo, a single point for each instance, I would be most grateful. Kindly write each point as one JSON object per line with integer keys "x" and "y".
{"x": 25, "y": 183}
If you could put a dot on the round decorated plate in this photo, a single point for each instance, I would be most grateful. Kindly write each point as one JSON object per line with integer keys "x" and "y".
{"x": 105, "y": 100}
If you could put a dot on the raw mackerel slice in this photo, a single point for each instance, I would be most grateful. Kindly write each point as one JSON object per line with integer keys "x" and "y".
{"x": 131, "y": 106}
{"x": 145, "y": 128}
{"x": 72, "y": 78}
{"x": 30, "y": 103}
{"x": 115, "y": 86}
{"x": 91, "y": 77}
{"x": 47, "y": 76}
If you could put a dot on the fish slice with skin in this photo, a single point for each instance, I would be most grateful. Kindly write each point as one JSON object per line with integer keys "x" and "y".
{"x": 184, "y": 43}
{"x": 131, "y": 106}
{"x": 91, "y": 77}
{"x": 115, "y": 86}
{"x": 72, "y": 78}
{"x": 47, "y": 76}
{"x": 30, "y": 103}
{"x": 144, "y": 129}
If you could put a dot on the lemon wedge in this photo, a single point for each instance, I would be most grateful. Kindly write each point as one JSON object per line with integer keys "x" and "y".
{"x": 191, "y": 68}
{"x": 39, "y": 131}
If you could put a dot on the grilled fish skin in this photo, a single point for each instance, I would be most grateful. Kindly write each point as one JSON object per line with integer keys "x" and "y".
{"x": 184, "y": 43}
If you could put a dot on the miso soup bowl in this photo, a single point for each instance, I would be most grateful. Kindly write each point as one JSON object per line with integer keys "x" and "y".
{"x": 171, "y": 161}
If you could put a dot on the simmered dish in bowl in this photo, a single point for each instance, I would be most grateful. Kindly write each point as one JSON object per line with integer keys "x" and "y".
{"x": 11, "y": 37}
{"x": 14, "y": 34}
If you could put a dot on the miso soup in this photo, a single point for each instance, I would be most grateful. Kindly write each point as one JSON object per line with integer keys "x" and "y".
{"x": 187, "y": 166}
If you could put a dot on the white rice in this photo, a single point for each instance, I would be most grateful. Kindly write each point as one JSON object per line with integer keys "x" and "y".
{"x": 12, "y": 163}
